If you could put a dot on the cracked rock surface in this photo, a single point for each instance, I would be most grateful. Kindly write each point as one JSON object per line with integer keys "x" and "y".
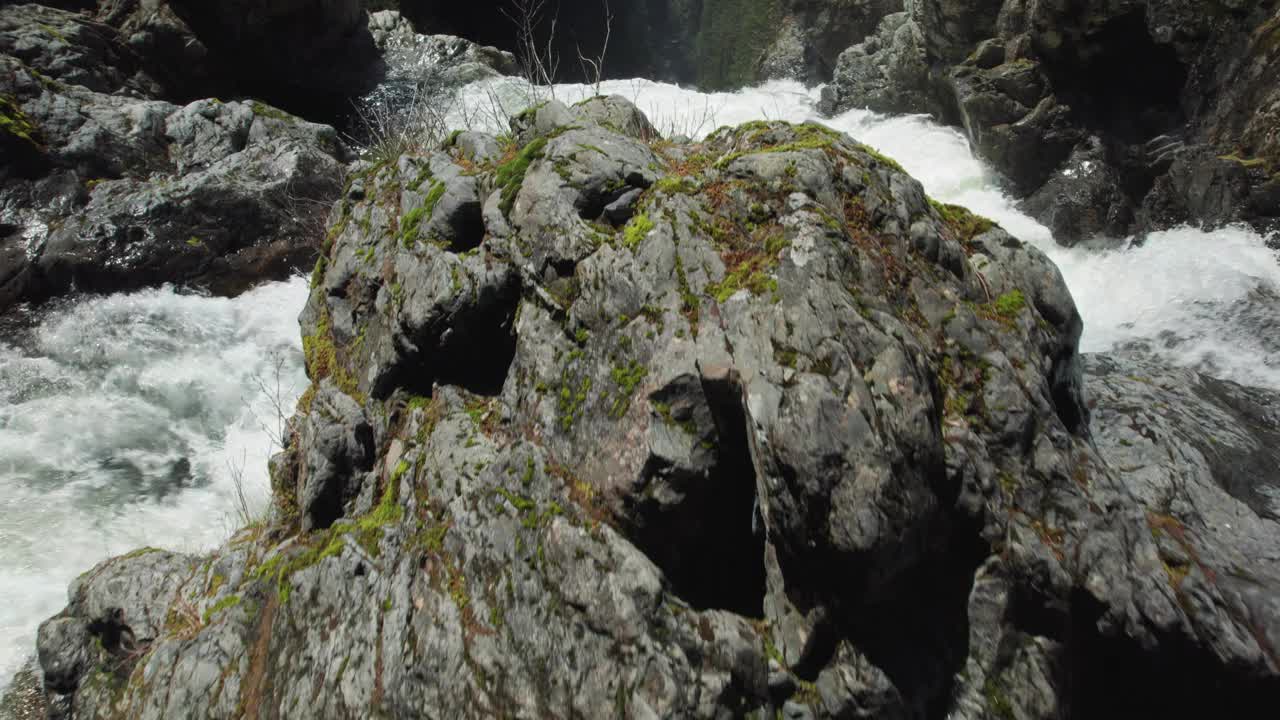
{"x": 606, "y": 425}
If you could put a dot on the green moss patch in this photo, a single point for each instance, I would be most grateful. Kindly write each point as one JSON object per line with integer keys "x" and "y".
{"x": 510, "y": 175}
{"x": 1010, "y": 304}
{"x": 636, "y": 231}
{"x": 366, "y": 530}
{"x": 882, "y": 158}
{"x": 321, "y": 357}
{"x": 262, "y": 109}
{"x": 751, "y": 274}
{"x": 627, "y": 378}
{"x": 16, "y": 123}
{"x": 225, "y": 603}
{"x": 411, "y": 223}
{"x": 963, "y": 222}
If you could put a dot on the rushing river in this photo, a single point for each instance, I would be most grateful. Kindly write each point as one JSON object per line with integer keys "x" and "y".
{"x": 125, "y": 420}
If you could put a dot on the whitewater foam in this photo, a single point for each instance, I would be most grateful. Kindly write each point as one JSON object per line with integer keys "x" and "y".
{"x": 123, "y": 421}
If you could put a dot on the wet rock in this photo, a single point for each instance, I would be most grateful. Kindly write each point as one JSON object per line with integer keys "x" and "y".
{"x": 1084, "y": 199}
{"x": 24, "y": 698}
{"x": 233, "y": 205}
{"x": 887, "y": 72}
{"x": 413, "y": 57}
{"x": 1198, "y": 456}
{"x": 104, "y": 188}
{"x": 71, "y": 48}
{"x": 1203, "y": 186}
{"x": 1014, "y": 121}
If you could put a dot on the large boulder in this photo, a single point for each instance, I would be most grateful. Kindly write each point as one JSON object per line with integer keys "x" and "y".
{"x": 784, "y": 437}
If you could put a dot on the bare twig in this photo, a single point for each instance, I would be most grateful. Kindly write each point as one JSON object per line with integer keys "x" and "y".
{"x": 593, "y": 68}
{"x": 275, "y": 394}
{"x": 393, "y": 125}
{"x": 244, "y": 511}
{"x": 693, "y": 124}
{"x": 274, "y": 426}
{"x": 540, "y": 64}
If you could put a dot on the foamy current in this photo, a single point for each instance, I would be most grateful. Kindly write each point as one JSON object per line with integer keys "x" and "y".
{"x": 124, "y": 421}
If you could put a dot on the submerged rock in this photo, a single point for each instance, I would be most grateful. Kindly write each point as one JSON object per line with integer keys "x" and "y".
{"x": 791, "y": 439}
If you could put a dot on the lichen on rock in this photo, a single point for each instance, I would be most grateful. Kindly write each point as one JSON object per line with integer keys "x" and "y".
{"x": 785, "y": 436}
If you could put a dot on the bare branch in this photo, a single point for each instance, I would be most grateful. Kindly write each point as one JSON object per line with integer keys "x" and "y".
{"x": 540, "y": 65}
{"x": 593, "y": 68}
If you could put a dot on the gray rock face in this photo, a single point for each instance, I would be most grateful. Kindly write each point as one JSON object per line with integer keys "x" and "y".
{"x": 1180, "y": 99}
{"x": 887, "y": 72}
{"x": 104, "y": 189}
{"x": 1084, "y": 198}
{"x": 791, "y": 440}
{"x": 1199, "y": 457}
{"x": 74, "y": 49}
{"x": 339, "y": 450}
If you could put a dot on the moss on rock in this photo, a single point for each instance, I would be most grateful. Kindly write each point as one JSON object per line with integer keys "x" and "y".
{"x": 15, "y": 123}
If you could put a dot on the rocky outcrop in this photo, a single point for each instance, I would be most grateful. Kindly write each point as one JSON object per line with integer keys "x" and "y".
{"x": 1169, "y": 104}
{"x": 888, "y": 71}
{"x": 461, "y": 61}
{"x": 1199, "y": 457}
{"x": 23, "y": 698}
{"x": 108, "y": 193}
{"x": 605, "y": 424}
{"x": 104, "y": 187}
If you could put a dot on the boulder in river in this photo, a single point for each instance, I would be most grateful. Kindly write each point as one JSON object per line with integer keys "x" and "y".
{"x": 787, "y": 437}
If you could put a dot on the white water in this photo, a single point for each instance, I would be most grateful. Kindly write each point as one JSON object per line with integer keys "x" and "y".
{"x": 98, "y": 404}
{"x": 108, "y": 393}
